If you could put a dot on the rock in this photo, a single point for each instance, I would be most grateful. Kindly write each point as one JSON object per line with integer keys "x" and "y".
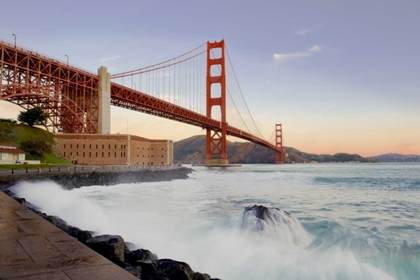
{"x": 175, "y": 270}
{"x": 81, "y": 235}
{"x": 129, "y": 247}
{"x": 60, "y": 223}
{"x": 139, "y": 255}
{"x": 109, "y": 246}
{"x": 134, "y": 270}
{"x": 147, "y": 268}
{"x": 199, "y": 276}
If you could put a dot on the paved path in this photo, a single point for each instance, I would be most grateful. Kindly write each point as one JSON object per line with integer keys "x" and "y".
{"x": 32, "y": 248}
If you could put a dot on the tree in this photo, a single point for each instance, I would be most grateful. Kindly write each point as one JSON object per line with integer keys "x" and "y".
{"x": 33, "y": 116}
{"x": 37, "y": 147}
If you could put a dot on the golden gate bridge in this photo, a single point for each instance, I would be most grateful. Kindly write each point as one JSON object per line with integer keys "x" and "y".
{"x": 199, "y": 88}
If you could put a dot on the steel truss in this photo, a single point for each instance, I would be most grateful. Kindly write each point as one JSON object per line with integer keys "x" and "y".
{"x": 68, "y": 96}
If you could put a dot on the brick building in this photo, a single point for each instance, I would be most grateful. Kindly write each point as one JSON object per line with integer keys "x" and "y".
{"x": 115, "y": 149}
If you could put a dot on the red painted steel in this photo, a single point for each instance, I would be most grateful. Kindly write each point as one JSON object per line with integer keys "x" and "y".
{"x": 69, "y": 97}
{"x": 216, "y": 137}
{"x": 279, "y": 144}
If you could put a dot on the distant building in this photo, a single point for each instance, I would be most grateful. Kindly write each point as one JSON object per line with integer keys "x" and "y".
{"x": 10, "y": 154}
{"x": 115, "y": 149}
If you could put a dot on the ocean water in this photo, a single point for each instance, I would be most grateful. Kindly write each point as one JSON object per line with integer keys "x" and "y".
{"x": 348, "y": 221}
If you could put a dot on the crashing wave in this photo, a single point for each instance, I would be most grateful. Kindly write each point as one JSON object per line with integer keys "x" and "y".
{"x": 273, "y": 222}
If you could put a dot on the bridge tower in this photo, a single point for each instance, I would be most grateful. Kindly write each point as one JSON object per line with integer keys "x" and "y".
{"x": 216, "y": 97}
{"x": 279, "y": 144}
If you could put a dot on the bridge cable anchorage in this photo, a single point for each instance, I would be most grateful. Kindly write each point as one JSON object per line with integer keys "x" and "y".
{"x": 154, "y": 66}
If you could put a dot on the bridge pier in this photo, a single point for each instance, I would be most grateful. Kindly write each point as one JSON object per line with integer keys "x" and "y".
{"x": 104, "y": 119}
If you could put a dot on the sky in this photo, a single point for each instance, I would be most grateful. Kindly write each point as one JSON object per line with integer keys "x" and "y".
{"x": 341, "y": 76}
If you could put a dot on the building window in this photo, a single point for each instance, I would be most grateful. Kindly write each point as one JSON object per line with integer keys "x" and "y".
{"x": 115, "y": 154}
{"x": 90, "y": 154}
{"x": 77, "y": 153}
{"x": 90, "y": 146}
{"x": 83, "y": 154}
{"x": 71, "y": 153}
{"x": 77, "y": 146}
{"x": 64, "y": 154}
{"x": 96, "y": 155}
{"x": 162, "y": 149}
{"x": 109, "y": 146}
{"x": 102, "y": 154}
{"x": 71, "y": 146}
{"x": 161, "y": 156}
{"x": 102, "y": 146}
{"x": 109, "y": 154}
{"x": 152, "y": 149}
{"x": 64, "y": 146}
{"x": 83, "y": 146}
{"x": 115, "y": 146}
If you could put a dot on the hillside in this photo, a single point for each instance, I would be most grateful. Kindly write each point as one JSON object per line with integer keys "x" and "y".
{"x": 398, "y": 158}
{"x": 19, "y": 134}
{"x": 193, "y": 150}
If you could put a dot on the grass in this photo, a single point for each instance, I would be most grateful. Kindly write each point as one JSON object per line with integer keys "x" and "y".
{"x": 53, "y": 159}
{"x": 17, "y": 133}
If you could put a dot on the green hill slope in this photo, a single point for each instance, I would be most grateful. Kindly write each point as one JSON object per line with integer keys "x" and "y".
{"x": 11, "y": 132}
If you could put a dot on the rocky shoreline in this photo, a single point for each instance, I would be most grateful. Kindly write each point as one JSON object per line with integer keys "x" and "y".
{"x": 99, "y": 178}
{"x": 142, "y": 263}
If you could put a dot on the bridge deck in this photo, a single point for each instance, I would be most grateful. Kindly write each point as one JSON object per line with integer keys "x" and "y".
{"x": 33, "y": 248}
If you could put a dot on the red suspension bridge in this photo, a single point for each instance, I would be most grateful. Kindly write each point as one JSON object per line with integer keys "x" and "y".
{"x": 199, "y": 88}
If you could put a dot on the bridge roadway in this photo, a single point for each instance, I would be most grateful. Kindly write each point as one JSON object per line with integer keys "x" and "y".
{"x": 40, "y": 74}
{"x": 32, "y": 248}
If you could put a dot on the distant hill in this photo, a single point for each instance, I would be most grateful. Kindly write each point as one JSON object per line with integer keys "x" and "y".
{"x": 193, "y": 150}
{"x": 398, "y": 158}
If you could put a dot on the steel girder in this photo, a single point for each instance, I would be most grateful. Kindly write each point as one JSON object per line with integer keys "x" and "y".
{"x": 67, "y": 95}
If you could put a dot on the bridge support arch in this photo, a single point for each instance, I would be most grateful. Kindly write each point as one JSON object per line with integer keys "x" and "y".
{"x": 216, "y": 138}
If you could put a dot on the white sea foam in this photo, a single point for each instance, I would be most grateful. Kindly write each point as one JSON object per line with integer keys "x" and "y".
{"x": 199, "y": 221}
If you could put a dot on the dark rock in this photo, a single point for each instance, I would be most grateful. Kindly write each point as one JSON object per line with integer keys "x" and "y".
{"x": 139, "y": 255}
{"x": 60, "y": 223}
{"x": 155, "y": 276}
{"x": 109, "y": 246}
{"x": 81, "y": 235}
{"x": 261, "y": 212}
{"x": 199, "y": 276}
{"x": 134, "y": 270}
{"x": 129, "y": 247}
{"x": 175, "y": 270}
{"x": 20, "y": 200}
{"x": 147, "y": 268}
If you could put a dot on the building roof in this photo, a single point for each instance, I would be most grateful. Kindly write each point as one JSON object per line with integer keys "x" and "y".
{"x": 11, "y": 151}
{"x": 7, "y": 144}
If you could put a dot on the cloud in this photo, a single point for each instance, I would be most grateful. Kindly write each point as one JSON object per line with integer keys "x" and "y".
{"x": 315, "y": 49}
{"x": 295, "y": 55}
{"x": 105, "y": 59}
{"x": 303, "y": 32}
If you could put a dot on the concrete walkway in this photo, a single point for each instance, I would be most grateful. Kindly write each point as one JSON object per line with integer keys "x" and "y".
{"x": 33, "y": 248}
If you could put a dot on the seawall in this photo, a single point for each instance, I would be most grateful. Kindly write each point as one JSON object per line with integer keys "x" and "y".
{"x": 102, "y": 178}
